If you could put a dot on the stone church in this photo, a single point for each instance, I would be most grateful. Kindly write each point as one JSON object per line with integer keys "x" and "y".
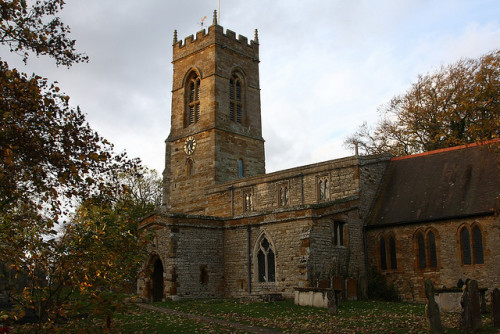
{"x": 228, "y": 229}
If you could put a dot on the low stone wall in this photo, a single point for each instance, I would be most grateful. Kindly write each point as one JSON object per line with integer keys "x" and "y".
{"x": 316, "y": 297}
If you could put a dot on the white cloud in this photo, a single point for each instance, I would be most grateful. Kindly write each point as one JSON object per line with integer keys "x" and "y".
{"x": 325, "y": 65}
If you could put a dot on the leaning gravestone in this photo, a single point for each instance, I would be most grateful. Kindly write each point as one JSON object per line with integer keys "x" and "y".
{"x": 332, "y": 302}
{"x": 432, "y": 310}
{"x": 495, "y": 307}
{"x": 470, "y": 319}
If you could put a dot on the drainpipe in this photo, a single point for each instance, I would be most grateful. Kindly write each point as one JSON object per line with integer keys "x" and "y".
{"x": 249, "y": 261}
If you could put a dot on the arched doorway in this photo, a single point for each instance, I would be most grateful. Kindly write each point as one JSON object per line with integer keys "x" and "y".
{"x": 157, "y": 279}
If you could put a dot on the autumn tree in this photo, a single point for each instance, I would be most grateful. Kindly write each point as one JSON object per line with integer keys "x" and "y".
{"x": 51, "y": 161}
{"x": 459, "y": 104}
{"x": 31, "y": 26}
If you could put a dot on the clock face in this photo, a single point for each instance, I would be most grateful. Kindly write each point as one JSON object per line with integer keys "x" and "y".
{"x": 190, "y": 145}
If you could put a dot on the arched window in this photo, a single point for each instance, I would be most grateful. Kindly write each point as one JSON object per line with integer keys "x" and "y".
{"x": 266, "y": 261}
{"x": 247, "y": 201}
{"x": 236, "y": 99}
{"x": 465, "y": 246}
{"x": 241, "y": 171}
{"x": 283, "y": 195}
{"x": 431, "y": 240}
{"x": 193, "y": 99}
{"x": 422, "y": 262}
{"x": 392, "y": 252}
{"x": 323, "y": 191}
{"x": 338, "y": 233}
{"x": 478, "y": 245}
{"x": 383, "y": 255}
{"x": 426, "y": 248}
{"x": 189, "y": 167}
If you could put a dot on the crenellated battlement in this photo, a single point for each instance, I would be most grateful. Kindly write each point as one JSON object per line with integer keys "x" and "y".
{"x": 215, "y": 35}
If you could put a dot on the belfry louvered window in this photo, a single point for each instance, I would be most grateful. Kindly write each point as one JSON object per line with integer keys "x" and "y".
{"x": 193, "y": 112}
{"x": 235, "y": 99}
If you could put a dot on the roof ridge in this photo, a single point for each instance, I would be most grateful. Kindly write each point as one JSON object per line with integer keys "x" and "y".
{"x": 447, "y": 149}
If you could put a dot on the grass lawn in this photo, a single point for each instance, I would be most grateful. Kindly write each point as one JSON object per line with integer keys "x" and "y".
{"x": 353, "y": 317}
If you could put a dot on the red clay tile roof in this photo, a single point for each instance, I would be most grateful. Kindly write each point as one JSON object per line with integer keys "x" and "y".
{"x": 449, "y": 183}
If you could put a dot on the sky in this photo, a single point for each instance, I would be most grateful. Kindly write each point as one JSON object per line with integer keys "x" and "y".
{"x": 326, "y": 66}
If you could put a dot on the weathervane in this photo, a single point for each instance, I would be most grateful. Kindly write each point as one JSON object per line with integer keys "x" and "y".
{"x": 202, "y": 21}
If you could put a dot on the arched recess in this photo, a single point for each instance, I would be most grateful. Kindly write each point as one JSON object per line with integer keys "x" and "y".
{"x": 155, "y": 270}
{"x": 264, "y": 259}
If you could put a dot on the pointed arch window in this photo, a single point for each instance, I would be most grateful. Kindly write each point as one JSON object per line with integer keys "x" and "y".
{"x": 477, "y": 238}
{"x": 283, "y": 195}
{"x": 241, "y": 170}
{"x": 431, "y": 242}
{"x": 193, "y": 90}
{"x": 323, "y": 188}
{"x": 392, "y": 253}
{"x": 427, "y": 250}
{"x": 236, "y": 98}
{"x": 465, "y": 245}
{"x": 189, "y": 167}
{"x": 472, "y": 249}
{"x": 422, "y": 262}
{"x": 388, "y": 251}
{"x": 383, "y": 256}
{"x": 266, "y": 263}
{"x": 338, "y": 233}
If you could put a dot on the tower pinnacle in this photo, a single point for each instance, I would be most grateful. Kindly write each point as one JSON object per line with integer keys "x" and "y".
{"x": 215, "y": 18}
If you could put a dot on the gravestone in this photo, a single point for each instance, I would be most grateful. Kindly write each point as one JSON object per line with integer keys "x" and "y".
{"x": 495, "y": 307}
{"x": 432, "y": 310}
{"x": 470, "y": 318}
{"x": 332, "y": 302}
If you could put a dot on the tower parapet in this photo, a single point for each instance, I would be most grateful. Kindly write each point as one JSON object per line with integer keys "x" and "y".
{"x": 215, "y": 36}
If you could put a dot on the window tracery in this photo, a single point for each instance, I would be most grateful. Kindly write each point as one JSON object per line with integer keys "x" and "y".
{"x": 266, "y": 261}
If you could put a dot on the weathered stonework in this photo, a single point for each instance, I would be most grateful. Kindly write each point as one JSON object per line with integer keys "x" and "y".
{"x": 227, "y": 229}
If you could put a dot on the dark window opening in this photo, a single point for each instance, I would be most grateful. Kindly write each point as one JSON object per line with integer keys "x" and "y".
{"x": 190, "y": 168}
{"x": 392, "y": 252}
{"x": 338, "y": 233}
{"x": 203, "y": 275}
{"x": 383, "y": 257}
{"x": 241, "y": 171}
{"x": 465, "y": 245}
{"x": 478, "y": 245}
{"x": 431, "y": 239}
{"x": 421, "y": 251}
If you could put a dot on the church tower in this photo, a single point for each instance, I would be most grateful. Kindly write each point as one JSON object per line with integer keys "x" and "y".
{"x": 216, "y": 131}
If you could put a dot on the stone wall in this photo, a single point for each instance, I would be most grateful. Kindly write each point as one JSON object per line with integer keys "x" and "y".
{"x": 409, "y": 278}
